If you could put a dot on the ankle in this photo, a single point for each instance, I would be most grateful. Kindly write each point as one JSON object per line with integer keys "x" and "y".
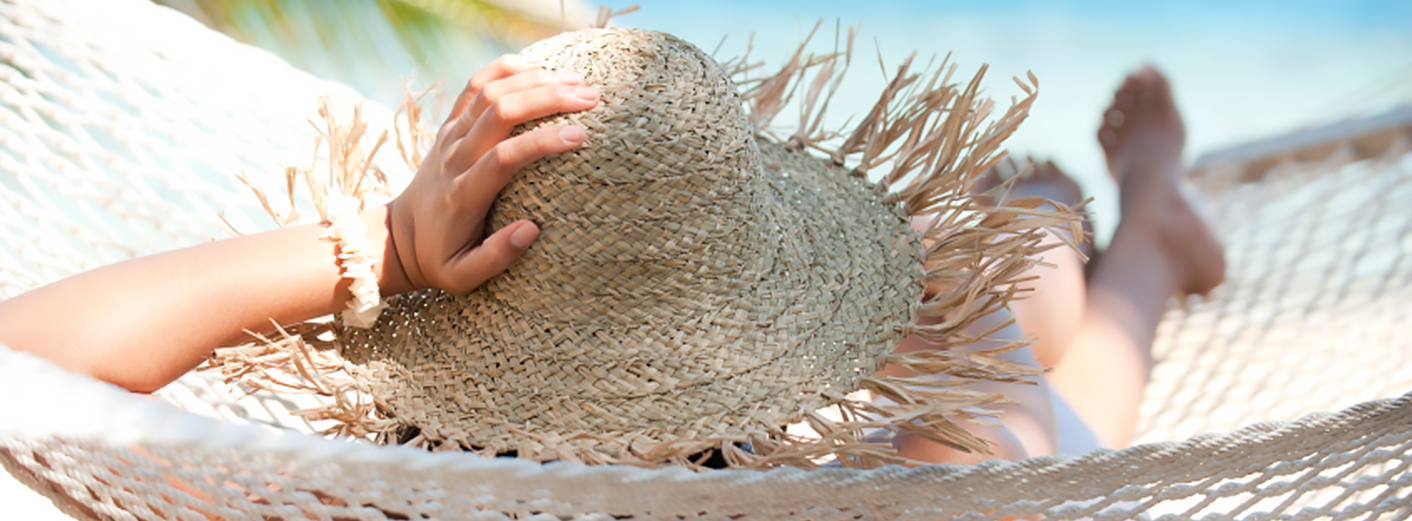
{"x": 1183, "y": 256}
{"x": 1136, "y": 274}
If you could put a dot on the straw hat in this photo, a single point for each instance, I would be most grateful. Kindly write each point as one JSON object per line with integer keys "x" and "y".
{"x": 698, "y": 286}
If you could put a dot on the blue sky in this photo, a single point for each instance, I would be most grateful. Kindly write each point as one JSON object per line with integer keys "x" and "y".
{"x": 1240, "y": 70}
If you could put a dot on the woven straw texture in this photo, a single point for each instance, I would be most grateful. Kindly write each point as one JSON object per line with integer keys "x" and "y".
{"x": 120, "y": 123}
{"x": 681, "y": 288}
{"x": 698, "y": 290}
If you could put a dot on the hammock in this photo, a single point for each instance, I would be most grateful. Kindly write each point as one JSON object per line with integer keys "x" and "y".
{"x": 122, "y": 122}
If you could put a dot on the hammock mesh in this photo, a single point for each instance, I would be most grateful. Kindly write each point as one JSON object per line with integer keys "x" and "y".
{"x": 122, "y": 124}
{"x": 1313, "y": 314}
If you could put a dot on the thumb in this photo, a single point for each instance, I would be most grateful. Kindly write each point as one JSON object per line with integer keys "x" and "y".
{"x": 494, "y": 255}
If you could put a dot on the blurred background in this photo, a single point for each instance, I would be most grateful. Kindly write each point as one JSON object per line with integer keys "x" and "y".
{"x": 1241, "y": 70}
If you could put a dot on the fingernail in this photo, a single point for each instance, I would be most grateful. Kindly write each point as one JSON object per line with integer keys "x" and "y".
{"x": 568, "y": 78}
{"x": 525, "y": 235}
{"x": 588, "y": 93}
{"x": 573, "y": 135}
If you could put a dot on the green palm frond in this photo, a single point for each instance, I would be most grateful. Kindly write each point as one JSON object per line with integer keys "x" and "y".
{"x": 373, "y": 44}
{"x": 500, "y": 17}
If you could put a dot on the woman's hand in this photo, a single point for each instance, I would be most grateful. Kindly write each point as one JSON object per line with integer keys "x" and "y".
{"x": 101, "y": 323}
{"x": 438, "y": 223}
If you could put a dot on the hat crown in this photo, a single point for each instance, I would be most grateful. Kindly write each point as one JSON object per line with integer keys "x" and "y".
{"x": 656, "y": 205}
{"x": 690, "y": 282}
{"x": 659, "y": 92}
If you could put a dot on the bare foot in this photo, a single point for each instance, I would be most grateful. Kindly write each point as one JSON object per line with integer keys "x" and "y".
{"x": 1142, "y": 136}
{"x": 995, "y": 183}
{"x": 1011, "y": 180}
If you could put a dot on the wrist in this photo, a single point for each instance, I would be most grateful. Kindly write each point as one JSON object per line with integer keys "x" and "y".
{"x": 392, "y": 278}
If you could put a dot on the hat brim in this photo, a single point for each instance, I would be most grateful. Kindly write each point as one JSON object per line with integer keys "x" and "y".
{"x": 784, "y": 308}
{"x": 816, "y": 301}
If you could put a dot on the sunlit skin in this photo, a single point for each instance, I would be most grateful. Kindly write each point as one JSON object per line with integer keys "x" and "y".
{"x": 142, "y": 323}
{"x": 1161, "y": 248}
{"x": 1096, "y": 334}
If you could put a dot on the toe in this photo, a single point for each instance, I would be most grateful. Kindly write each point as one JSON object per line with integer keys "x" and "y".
{"x": 1107, "y": 137}
{"x": 1159, "y": 81}
{"x": 1115, "y": 118}
{"x": 1125, "y": 95}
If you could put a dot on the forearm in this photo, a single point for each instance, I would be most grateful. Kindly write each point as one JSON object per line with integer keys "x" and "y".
{"x": 142, "y": 323}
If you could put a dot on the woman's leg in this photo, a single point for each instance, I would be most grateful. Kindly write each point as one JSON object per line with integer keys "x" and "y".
{"x": 1052, "y": 302}
{"x": 1097, "y": 334}
{"x": 1027, "y": 425}
{"x": 1161, "y": 248}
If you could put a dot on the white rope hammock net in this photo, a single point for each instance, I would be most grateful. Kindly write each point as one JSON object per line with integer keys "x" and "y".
{"x": 122, "y": 124}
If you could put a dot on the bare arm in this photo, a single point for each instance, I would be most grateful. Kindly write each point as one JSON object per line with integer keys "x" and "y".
{"x": 142, "y": 323}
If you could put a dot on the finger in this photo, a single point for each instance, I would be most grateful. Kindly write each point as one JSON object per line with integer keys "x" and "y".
{"x": 483, "y": 182}
{"x": 503, "y": 67}
{"x": 498, "y": 89}
{"x": 469, "y": 270}
{"x": 500, "y": 119}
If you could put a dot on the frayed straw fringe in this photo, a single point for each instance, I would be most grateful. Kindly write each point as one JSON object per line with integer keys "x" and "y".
{"x": 350, "y": 170}
{"x": 934, "y": 136}
{"x": 929, "y": 136}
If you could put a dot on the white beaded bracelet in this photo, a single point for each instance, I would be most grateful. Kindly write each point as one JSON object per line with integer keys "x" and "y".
{"x": 355, "y": 258}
